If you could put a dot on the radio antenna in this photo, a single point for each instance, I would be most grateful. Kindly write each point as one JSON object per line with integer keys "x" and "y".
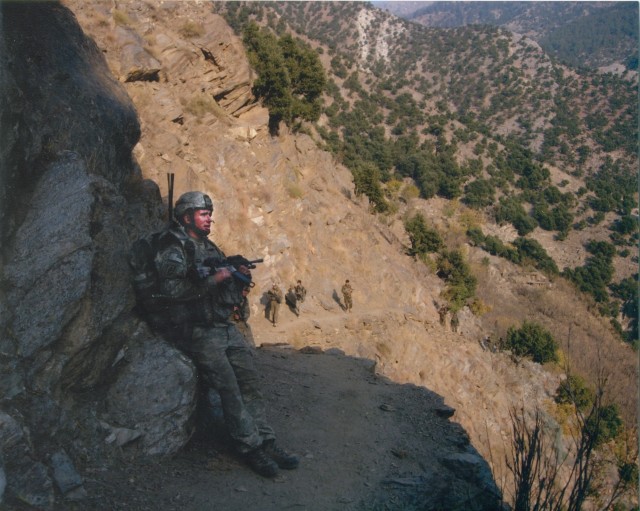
{"x": 170, "y": 177}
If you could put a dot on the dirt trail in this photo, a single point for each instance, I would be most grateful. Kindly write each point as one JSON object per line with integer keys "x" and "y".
{"x": 363, "y": 441}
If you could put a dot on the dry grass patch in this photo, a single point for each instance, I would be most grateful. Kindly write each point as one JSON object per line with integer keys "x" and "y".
{"x": 264, "y": 195}
{"x": 383, "y": 349}
{"x": 191, "y": 29}
{"x": 101, "y": 21}
{"x": 451, "y": 208}
{"x": 410, "y": 191}
{"x": 121, "y": 18}
{"x": 141, "y": 94}
{"x": 294, "y": 190}
{"x": 471, "y": 218}
{"x": 200, "y": 105}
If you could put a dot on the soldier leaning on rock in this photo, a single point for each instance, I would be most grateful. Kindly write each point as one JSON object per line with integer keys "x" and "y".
{"x": 203, "y": 302}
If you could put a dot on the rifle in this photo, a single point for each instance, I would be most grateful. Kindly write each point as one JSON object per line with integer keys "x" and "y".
{"x": 232, "y": 263}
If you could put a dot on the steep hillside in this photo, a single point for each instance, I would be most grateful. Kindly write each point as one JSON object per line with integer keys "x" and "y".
{"x": 84, "y": 381}
{"x": 285, "y": 200}
{"x": 478, "y": 115}
{"x": 396, "y": 115}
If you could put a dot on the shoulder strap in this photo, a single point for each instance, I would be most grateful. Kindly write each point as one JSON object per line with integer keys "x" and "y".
{"x": 172, "y": 236}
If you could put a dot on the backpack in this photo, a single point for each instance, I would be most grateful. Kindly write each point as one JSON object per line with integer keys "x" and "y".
{"x": 144, "y": 275}
{"x": 151, "y": 304}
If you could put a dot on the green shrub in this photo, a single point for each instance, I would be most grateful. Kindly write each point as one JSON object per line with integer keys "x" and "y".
{"x": 510, "y": 209}
{"x": 424, "y": 239}
{"x": 596, "y": 274}
{"x": 574, "y": 391}
{"x": 290, "y": 76}
{"x": 604, "y": 424}
{"x": 366, "y": 178}
{"x": 479, "y": 194}
{"x": 476, "y": 236}
{"x": 627, "y": 291}
{"x": 532, "y": 340}
{"x": 625, "y": 225}
{"x": 461, "y": 284}
{"x": 530, "y": 250}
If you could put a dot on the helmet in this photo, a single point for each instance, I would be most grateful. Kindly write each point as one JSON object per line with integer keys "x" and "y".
{"x": 192, "y": 200}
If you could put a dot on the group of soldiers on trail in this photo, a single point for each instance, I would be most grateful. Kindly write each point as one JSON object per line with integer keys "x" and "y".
{"x": 196, "y": 297}
{"x": 295, "y": 296}
{"x": 189, "y": 292}
{"x": 199, "y": 304}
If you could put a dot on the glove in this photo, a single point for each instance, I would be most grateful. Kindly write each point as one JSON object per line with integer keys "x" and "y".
{"x": 203, "y": 272}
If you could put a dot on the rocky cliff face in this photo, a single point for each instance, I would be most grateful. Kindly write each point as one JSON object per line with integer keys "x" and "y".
{"x": 73, "y": 198}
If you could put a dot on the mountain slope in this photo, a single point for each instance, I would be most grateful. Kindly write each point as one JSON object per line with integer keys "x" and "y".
{"x": 293, "y": 204}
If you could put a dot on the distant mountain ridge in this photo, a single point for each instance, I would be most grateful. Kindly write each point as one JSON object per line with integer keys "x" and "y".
{"x": 589, "y": 34}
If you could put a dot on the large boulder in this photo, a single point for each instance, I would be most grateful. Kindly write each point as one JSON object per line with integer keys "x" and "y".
{"x": 141, "y": 400}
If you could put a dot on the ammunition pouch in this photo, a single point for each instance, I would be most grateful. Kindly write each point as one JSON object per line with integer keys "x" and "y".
{"x": 163, "y": 314}
{"x": 229, "y": 293}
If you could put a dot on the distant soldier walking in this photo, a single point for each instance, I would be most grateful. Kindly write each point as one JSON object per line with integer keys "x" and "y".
{"x": 347, "y": 291}
{"x": 275, "y": 299}
{"x": 300, "y": 291}
{"x": 443, "y": 312}
{"x": 295, "y": 296}
{"x": 292, "y": 301}
{"x": 455, "y": 322}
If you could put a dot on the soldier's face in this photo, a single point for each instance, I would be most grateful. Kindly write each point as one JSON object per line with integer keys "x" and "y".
{"x": 202, "y": 220}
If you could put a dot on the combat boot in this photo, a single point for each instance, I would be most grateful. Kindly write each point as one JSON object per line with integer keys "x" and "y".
{"x": 261, "y": 463}
{"x": 280, "y": 456}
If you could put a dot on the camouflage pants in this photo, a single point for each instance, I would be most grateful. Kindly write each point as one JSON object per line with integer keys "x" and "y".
{"x": 273, "y": 311}
{"x": 348, "y": 303}
{"x": 244, "y": 328}
{"x": 225, "y": 362}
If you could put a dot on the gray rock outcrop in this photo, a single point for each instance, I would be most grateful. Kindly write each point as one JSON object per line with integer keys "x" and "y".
{"x": 72, "y": 201}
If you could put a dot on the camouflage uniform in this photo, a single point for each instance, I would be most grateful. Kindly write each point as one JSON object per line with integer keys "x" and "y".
{"x": 291, "y": 300}
{"x": 275, "y": 299}
{"x": 454, "y": 322}
{"x": 300, "y": 292}
{"x": 219, "y": 351}
{"x": 346, "y": 293}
